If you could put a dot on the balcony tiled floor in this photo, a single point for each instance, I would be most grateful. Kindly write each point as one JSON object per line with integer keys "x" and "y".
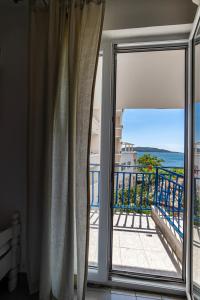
{"x": 137, "y": 245}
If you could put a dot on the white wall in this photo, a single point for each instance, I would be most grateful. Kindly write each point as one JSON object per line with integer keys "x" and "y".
{"x": 13, "y": 113}
{"x": 121, "y": 14}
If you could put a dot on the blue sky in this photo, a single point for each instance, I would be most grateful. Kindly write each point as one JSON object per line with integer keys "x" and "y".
{"x": 160, "y": 128}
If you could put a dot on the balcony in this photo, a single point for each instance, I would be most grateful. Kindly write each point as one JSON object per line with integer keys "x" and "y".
{"x": 148, "y": 210}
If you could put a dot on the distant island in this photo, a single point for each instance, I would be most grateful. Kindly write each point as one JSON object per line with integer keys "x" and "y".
{"x": 150, "y": 149}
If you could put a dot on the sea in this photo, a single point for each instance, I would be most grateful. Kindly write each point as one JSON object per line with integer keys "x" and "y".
{"x": 171, "y": 159}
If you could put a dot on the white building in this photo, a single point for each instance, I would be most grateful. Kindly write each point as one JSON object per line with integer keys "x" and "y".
{"x": 122, "y": 155}
{"x": 197, "y": 158}
{"x": 96, "y": 120}
{"x": 128, "y": 155}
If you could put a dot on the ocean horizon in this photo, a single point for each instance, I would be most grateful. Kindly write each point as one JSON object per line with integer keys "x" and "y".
{"x": 171, "y": 159}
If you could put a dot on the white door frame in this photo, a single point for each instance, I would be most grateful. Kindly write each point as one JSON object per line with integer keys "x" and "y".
{"x": 191, "y": 68}
{"x": 101, "y": 274}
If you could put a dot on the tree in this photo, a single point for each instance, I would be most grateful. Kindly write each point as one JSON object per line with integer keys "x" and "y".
{"x": 148, "y": 162}
{"x": 178, "y": 171}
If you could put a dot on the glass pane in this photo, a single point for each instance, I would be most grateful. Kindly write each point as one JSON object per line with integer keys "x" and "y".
{"x": 95, "y": 168}
{"x": 148, "y": 200}
{"x": 197, "y": 34}
{"x": 196, "y": 172}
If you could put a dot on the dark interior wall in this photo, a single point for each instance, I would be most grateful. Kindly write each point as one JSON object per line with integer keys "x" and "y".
{"x": 13, "y": 113}
{"x": 121, "y": 14}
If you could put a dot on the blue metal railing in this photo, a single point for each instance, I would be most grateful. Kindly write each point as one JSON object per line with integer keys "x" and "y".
{"x": 197, "y": 200}
{"x": 170, "y": 197}
{"x": 133, "y": 190}
{"x": 94, "y": 187}
{"x": 137, "y": 190}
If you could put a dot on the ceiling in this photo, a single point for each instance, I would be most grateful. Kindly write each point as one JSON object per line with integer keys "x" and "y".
{"x": 123, "y": 14}
{"x": 153, "y": 79}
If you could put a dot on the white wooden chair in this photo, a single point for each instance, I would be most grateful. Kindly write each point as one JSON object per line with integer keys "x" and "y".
{"x": 9, "y": 252}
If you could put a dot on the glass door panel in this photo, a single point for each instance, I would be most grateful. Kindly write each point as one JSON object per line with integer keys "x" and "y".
{"x": 95, "y": 169}
{"x": 196, "y": 168}
{"x": 148, "y": 197}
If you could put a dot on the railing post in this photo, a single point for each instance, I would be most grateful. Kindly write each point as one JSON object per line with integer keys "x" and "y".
{"x": 156, "y": 188}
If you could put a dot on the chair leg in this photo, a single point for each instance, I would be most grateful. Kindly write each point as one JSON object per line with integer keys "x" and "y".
{"x": 13, "y": 274}
{"x": 12, "y": 279}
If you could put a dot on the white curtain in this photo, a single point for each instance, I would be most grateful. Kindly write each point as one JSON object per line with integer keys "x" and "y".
{"x": 64, "y": 46}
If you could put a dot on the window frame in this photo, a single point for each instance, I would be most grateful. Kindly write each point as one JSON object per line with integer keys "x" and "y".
{"x": 190, "y": 286}
{"x": 150, "y": 48}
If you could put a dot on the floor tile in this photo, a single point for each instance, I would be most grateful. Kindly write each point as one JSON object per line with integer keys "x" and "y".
{"x": 151, "y": 242}
{"x": 147, "y": 296}
{"x": 130, "y": 240}
{"x": 134, "y": 259}
{"x": 117, "y": 261}
{"x": 121, "y": 297}
{"x": 107, "y": 294}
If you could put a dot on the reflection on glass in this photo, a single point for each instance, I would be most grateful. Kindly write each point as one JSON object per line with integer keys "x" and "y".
{"x": 95, "y": 168}
{"x": 196, "y": 172}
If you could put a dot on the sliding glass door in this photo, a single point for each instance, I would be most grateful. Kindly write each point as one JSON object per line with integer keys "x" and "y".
{"x": 148, "y": 200}
{"x": 196, "y": 164}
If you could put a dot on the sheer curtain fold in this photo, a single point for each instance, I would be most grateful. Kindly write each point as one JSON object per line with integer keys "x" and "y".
{"x": 88, "y": 45}
{"x": 64, "y": 48}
